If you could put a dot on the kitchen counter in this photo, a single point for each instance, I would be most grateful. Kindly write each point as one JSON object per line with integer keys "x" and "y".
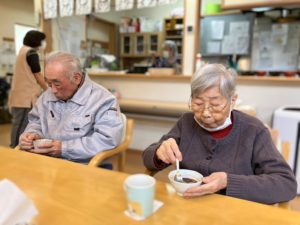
{"x": 267, "y": 79}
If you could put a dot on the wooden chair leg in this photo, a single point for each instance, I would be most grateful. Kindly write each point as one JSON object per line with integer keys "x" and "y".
{"x": 285, "y": 150}
{"x": 284, "y": 205}
{"x": 121, "y": 161}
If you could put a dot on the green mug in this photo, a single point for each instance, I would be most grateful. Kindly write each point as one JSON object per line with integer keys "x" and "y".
{"x": 212, "y": 8}
{"x": 140, "y": 191}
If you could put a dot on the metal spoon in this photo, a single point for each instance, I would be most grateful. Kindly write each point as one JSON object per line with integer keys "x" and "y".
{"x": 178, "y": 176}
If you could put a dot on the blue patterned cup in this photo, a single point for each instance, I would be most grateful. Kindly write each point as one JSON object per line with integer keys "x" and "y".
{"x": 140, "y": 190}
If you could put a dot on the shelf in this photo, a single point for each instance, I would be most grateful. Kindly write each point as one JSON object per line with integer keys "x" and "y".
{"x": 176, "y": 18}
{"x": 224, "y": 13}
{"x": 174, "y": 37}
{"x": 135, "y": 46}
{"x": 269, "y": 79}
{"x": 249, "y": 4}
{"x": 175, "y": 29}
{"x": 135, "y": 56}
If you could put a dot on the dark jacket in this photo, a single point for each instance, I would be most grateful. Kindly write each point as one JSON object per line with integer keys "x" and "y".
{"x": 256, "y": 170}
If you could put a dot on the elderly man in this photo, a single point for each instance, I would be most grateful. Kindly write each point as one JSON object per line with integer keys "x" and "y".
{"x": 81, "y": 117}
{"x": 234, "y": 151}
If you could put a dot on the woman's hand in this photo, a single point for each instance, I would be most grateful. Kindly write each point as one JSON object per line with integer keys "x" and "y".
{"x": 169, "y": 151}
{"x": 211, "y": 184}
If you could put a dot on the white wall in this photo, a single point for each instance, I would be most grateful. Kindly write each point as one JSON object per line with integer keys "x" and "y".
{"x": 266, "y": 97}
{"x": 67, "y": 32}
{"x": 15, "y": 11}
{"x": 98, "y": 31}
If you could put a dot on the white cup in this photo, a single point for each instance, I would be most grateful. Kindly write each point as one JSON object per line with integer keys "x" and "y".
{"x": 40, "y": 143}
{"x": 181, "y": 187}
{"x": 140, "y": 190}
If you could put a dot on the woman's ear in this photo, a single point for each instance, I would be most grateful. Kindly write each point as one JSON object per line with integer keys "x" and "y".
{"x": 233, "y": 100}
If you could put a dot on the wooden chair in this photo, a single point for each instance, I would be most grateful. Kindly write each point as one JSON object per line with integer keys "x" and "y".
{"x": 285, "y": 148}
{"x": 248, "y": 109}
{"x": 120, "y": 150}
{"x": 150, "y": 172}
{"x": 285, "y": 152}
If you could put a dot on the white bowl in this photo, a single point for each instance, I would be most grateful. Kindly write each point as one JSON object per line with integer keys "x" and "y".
{"x": 182, "y": 187}
{"x": 39, "y": 143}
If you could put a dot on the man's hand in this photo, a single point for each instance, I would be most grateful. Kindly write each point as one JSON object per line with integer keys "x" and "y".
{"x": 169, "y": 151}
{"x": 26, "y": 140}
{"x": 212, "y": 184}
{"x": 53, "y": 149}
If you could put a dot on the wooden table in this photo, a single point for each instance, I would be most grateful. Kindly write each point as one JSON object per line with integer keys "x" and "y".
{"x": 67, "y": 193}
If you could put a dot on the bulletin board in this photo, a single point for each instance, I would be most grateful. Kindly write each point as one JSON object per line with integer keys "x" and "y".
{"x": 226, "y": 35}
{"x": 275, "y": 46}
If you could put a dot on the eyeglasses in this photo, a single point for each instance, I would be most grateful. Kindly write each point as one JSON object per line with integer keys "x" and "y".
{"x": 213, "y": 108}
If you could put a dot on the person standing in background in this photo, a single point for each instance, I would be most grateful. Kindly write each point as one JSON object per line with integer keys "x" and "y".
{"x": 27, "y": 82}
{"x": 169, "y": 57}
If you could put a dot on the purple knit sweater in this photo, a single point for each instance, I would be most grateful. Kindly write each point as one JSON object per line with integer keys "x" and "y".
{"x": 256, "y": 170}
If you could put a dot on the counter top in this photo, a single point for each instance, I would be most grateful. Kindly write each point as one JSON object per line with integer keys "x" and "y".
{"x": 269, "y": 79}
{"x": 173, "y": 109}
{"x": 141, "y": 76}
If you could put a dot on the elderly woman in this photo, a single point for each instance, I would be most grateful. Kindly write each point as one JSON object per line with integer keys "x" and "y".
{"x": 169, "y": 56}
{"x": 232, "y": 150}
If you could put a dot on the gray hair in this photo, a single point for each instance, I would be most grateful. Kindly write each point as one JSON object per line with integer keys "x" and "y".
{"x": 70, "y": 62}
{"x": 211, "y": 75}
{"x": 171, "y": 45}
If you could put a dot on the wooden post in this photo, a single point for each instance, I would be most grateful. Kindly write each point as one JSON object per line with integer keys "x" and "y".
{"x": 45, "y": 25}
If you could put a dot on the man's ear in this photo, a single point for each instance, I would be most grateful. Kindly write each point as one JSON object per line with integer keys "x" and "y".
{"x": 77, "y": 78}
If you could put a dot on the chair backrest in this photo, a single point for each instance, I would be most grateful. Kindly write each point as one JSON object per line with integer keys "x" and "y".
{"x": 284, "y": 147}
{"x": 248, "y": 109}
{"x": 124, "y": 120}
{"x": 119, "y": 150}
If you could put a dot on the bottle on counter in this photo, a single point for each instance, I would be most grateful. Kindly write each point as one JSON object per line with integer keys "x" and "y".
{"x": 136, "y": 24}
{"x": 199, "y": 61}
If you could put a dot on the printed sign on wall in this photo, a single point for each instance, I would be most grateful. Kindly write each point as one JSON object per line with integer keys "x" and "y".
{"x": 83, "y": 7}
{"x": 50, "y": 9}
{"x": 146, "y": 3}
{"x": 102, "y": 6}
{"x": 124, "y": 4}
{"x": 66, "y": 7}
